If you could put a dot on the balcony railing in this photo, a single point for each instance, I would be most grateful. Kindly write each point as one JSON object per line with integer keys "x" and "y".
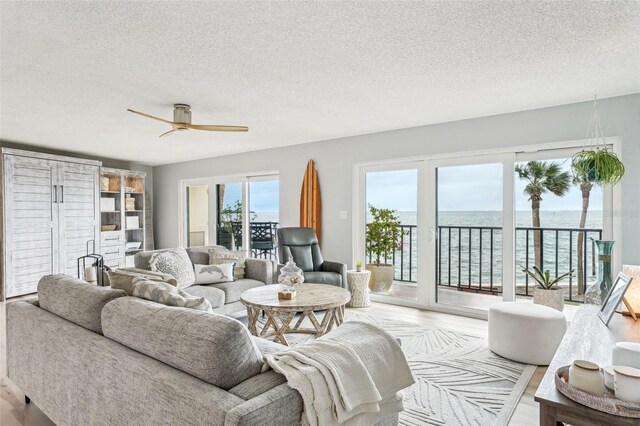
{"x": 469, "y": 258}
{"x": 262, "y": 238}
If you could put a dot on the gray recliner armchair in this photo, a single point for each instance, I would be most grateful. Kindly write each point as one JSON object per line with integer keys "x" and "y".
{"x": 301, "y": 244}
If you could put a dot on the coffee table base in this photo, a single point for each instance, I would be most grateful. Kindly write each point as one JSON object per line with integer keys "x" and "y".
{"x": 279, "y": 322}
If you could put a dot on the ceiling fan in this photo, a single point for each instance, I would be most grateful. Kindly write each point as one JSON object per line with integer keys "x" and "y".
{"x": 182, "y": 121}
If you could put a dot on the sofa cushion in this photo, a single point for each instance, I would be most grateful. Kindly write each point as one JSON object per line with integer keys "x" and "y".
{"x": 174, "y": 262}
{"x": 216, "y": 297}
{"x": 211, "y": 347}
{"x": 233, "y": 290}
{"x": 167, "y": 294}
{"x": 332, "y": 278}
{"x": 217, "y": 256}
{"x": 199, "y": 255}
{"x": 75, "y": 300}
{"x": 123, "y": 280}
{"x": 213, "y": 274}
{"x": 142, "y": 258}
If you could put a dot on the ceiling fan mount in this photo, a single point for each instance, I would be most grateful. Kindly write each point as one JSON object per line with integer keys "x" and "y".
{"x": 182, "y": 121}
{"x": 182, "y": 113}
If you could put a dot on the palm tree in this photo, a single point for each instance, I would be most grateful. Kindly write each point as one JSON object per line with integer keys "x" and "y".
{"x": 541, "y": 177}
{"x": 585, "y": 189}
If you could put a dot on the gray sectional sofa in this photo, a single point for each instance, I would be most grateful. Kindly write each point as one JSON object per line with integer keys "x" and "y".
{"x": 224, "y": 297}
{"x": 89, "y": 355}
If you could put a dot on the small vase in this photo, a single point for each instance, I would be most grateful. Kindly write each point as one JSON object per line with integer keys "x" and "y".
{"x": 596, "y": 293}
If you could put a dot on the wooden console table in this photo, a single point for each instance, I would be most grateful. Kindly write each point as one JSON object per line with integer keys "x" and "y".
{"x": 587, "y": 338}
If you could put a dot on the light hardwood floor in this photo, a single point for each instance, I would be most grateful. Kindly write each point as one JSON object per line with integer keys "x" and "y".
{"x": 14, "y": 412}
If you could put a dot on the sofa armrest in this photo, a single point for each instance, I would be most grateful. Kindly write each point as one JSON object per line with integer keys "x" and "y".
{"x": 278, "y": 406}
{"x": 338, "y": 268}
{"x": 164, "y": 277}
{"x": 259, "y": 269}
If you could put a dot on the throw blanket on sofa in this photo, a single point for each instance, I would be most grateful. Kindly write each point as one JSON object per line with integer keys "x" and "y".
{"x": 352, "y": 376}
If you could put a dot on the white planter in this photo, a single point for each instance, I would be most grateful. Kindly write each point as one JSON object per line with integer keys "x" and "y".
{"x": 553, "y": 298}
{"x": 381, "y": 278}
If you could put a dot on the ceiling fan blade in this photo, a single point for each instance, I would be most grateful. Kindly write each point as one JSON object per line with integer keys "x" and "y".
{"x": 174, "y": 130}
{"x": 216, "y": 128}
{"x": 151, "y": 116}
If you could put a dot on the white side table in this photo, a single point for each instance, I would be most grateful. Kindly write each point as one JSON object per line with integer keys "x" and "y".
{"x": 359, "y": 287}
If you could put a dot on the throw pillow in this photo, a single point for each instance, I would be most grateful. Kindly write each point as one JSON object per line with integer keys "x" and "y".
{"x": 217, "y": 257}
{"x": 213, "y": 274}
{"x": 166, "y": 294}
{"x": 123, "y": 280}
{"x": 176, "y": 263}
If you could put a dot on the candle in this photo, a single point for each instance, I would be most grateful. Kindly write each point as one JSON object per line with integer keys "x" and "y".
{"x": 90, "y": 274}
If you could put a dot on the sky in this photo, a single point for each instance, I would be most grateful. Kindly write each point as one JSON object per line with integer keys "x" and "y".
{"x": 467, "y": 188}
{"x": 460, "y": 188}
{"x": 263, "y": 195}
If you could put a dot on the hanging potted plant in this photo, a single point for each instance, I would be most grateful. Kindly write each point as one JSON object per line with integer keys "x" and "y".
{"x": 597, "y": 164}
{"x": 547, "y": 293}
{"x": 600, "y": 166}
{"x": 383, "y": 238}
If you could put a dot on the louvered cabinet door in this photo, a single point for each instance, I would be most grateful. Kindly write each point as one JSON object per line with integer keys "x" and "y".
{"x": 30, "y": 218}
{"x": 78, "y": 214}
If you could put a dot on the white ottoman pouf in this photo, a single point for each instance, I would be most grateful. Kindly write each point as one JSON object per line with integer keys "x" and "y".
{"x": 525, "y": 332}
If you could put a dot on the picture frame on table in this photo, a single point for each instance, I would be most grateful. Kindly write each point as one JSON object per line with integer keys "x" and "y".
{"x": 614, "y": 298}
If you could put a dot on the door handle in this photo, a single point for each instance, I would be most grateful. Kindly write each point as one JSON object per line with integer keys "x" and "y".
{"x": 55, "y": 194}
{"x": 62, "y": 194}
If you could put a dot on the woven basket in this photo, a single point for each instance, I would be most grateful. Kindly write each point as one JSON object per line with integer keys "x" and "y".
{"x": 607, "y": 403}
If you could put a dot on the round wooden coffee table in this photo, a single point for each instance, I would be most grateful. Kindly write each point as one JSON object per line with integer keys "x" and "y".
{"x": 280, "y": 313}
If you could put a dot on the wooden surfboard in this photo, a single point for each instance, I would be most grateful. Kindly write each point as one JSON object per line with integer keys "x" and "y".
{"x": 310, "y": 200}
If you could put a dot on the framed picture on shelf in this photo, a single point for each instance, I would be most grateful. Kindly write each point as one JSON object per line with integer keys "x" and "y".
{"x": 614, "y": 298}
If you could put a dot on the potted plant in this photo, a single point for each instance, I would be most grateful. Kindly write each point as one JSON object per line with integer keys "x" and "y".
{"x": 383, "y": 238}
{"x": 358, "y": 266}
{"x": 598, "y": 165}
{"x": 547, "y": 293}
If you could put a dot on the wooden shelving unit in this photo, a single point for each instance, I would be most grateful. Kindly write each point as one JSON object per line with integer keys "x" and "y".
{"x": 119, "y": 245}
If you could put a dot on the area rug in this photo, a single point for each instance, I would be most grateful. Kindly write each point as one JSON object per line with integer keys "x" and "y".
{"x": 459, "y": 381}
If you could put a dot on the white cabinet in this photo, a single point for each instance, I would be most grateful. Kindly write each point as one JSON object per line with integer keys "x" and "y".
{"x": 50, "y": 212}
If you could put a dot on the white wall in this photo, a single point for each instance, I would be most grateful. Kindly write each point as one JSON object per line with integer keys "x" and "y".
{"x": 335, "y": 160}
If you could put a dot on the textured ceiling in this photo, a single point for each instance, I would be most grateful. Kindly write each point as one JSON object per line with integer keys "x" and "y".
{"x": 295, "y": 72}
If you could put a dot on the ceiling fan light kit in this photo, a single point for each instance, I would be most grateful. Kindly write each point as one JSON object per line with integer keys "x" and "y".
{"x": 182, "y": 121}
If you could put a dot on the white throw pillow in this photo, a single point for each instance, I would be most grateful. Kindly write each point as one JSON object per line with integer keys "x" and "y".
{"x": 176, "y": 263}
{"x": 166, "y": 294}
{"x": 217, "y": 256}
{"x": 213, "y": 274}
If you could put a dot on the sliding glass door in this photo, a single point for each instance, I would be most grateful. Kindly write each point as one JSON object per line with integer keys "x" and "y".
{"x": 470, "y": 218}
{"x": 469, "y": 226}
{"x": 558, "y": 220}
{"x": 239, "y": 213}
{"x": 391, "y": 197}
{"x": 230, "y": 213}
{"x": 264, "y": 216}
